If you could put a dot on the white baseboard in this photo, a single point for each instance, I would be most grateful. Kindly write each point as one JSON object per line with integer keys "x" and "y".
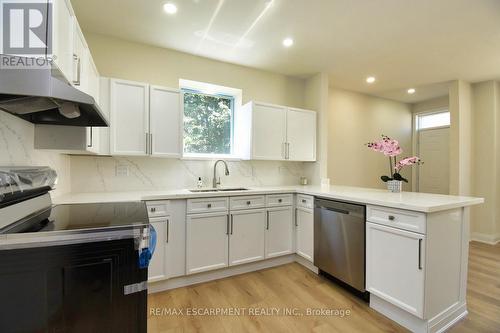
{"x": 491, "y": 239}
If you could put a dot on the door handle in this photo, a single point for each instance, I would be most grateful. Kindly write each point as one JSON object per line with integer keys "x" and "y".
{"x": 168, "y": 229}
{"x": 78, "y": 69}
{"x": 227, "y": 225}
{"x": 232, "y": 224}
{"x": 420, "y": 254}
{"x": 91, "y": 139}
{"x": 267, "y": 221}
{"x": 296, "y": 213}
{"x": 150, "y": 143}
{"x": 341, "y": 211}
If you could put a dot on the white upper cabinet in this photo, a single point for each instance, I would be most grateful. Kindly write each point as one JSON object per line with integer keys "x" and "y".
{"x": 273, "y": 132}
{"x": 145, "y": 120}
{"x": 79, "y": 57}
{"x": 165, "y": 121}
{"x": 62, "y": 36}
{"x": 268, "y": 132}
{"x": 129, "y": 111}
{"x": 301, "y": 135}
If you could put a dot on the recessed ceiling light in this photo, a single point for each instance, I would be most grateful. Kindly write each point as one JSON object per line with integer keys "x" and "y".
{"x": 411, "y": 91}
{"x": 170, "y": 8}
{"x": 287, "y": 42}
{"x": 370, "y": 79}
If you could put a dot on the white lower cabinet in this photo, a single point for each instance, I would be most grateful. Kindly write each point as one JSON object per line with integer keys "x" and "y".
{"x": 169, "y": 220}
{"x": 157, "y": 269}
{"x": 395, "y": 266}
{"x": 304, "y": 223}
{"x": 247, "y": 236}
{"x": 206, "y": 242}
{"x": 279, "y": 231}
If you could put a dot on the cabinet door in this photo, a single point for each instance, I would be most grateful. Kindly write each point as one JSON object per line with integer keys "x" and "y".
{"x": 268, "y": 132}
{"x": 301, "y": 135}
{"x": 247, "y": 236}
{"x": 395, "y": 266}
{"x": 176, "y": 239}
{"x": 157, "y": 266}
{"x": 279, "y": 232}
{"x": 62, "y": 37}
{"x": 129, "y": 108}
{"x": 79, "y": 75}
{"x": 206, "y": 242}
{"x": 165, "y": 121}
{"x": 305, "y": 233}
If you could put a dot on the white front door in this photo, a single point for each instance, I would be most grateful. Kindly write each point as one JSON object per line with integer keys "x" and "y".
{"x": 434, "y": 150}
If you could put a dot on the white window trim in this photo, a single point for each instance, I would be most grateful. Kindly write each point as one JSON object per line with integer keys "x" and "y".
{"x": 211, "y": 89}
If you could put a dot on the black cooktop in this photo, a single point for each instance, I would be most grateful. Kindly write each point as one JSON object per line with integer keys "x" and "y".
{"x": 81, "y": 217}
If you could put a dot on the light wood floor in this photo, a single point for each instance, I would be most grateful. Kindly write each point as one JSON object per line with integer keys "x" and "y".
{"x": 292, "y": 286}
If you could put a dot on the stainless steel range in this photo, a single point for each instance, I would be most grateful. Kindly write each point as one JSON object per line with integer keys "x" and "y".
{"x": 69, "y": 268}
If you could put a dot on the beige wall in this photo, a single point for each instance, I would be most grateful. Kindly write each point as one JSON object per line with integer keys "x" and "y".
{"x": 316, "y": 98}
{"x": 431, "y": 104}
{"x": 460, "y": 138}
{"x": 354, "y": 120}
{"x": 140, "y": 62}
{"x": 485, "y": 219}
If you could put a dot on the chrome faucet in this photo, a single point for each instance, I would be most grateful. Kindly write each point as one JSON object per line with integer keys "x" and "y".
{"x": 214, "y": 181}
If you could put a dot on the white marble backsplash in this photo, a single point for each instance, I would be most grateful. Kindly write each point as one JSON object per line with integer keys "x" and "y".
{"x": 101, "y": 173}
{"x": 17, "y": 148}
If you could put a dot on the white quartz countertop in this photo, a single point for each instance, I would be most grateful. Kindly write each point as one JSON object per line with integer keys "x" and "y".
{"x": 421, "y": 202}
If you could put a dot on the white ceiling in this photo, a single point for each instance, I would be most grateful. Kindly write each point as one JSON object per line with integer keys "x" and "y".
{"x": 403, "y": 43}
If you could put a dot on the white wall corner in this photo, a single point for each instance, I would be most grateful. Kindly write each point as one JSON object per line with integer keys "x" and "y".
{"x": 491, "y": 239}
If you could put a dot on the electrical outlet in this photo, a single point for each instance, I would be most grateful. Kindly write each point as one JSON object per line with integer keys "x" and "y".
{"x": 121, "y": 170}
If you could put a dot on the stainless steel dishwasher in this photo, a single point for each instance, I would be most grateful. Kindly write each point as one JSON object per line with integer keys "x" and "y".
{"x": 339, "y": 241}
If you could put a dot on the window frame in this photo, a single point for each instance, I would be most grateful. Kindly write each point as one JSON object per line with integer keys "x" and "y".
{"x": 204, "y": 156}
{"x": 419, "y": 115}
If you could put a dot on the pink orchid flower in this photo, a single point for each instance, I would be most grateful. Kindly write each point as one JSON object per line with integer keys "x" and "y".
{"x": 407, "y": 161}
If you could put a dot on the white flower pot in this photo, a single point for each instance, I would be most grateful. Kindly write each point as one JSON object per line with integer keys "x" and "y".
{"x": 395, "y": 186}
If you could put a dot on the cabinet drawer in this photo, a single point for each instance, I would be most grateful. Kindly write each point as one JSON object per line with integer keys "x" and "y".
{"x": 246, "y": 202}
{"x": 207, "y": 205}
{"x": 158, "y": 208}
{"x": 305, "y": 201}
{"x": 397, "y": 218}
{"x": 274, "y": 200}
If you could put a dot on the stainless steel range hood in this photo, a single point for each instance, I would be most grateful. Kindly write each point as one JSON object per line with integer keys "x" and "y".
{"x": 43, "y": 96}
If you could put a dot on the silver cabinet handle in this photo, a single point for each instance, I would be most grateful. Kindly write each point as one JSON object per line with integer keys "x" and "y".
{"x": 227, "y": 225}
{"x": 209, "y": 206}
{"x": 91, "y": 143}
{"x": 168, "y": 229}
{"x": 420, "y": 254}
{"x": 232, "y": 224}
{"x": 150, "y": 143}
{"x": 392, "y": 217}
{"x": 78, "y": 69}
{"x": 249, "y": 202}
{"x": 296, "y": 213}
{"x": 280, "y": 200}
{"x": 267, "y": 221}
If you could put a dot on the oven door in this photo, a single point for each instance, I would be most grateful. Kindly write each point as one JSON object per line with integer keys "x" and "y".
{"x": 82, "y": 287}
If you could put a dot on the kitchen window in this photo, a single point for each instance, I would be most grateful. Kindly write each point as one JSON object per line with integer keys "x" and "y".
{"x": 208, "y": 124}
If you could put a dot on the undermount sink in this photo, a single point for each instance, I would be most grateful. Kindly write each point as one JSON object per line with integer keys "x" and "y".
{"x": 226, "y": 189}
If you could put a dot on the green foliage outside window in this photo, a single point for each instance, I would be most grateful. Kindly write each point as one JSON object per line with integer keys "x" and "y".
{"x": 207, "y": 123}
